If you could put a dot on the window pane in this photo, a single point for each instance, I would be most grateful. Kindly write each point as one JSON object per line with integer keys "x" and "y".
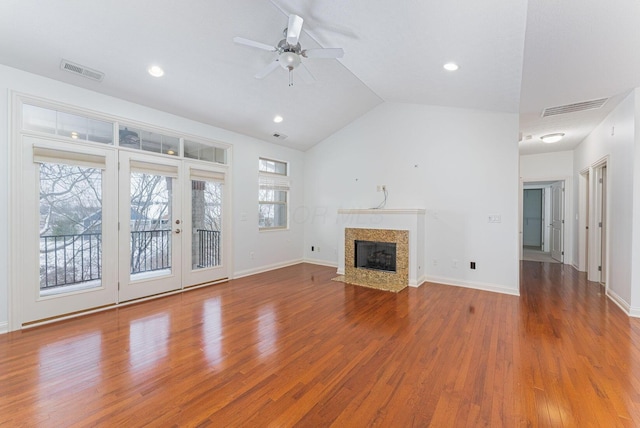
{"x": 272, "y": 166}
{"x": 100, "y": 131}
{"x": 70, "y": 228}
{"x": 38, "y": 119}
{"x": 73, "y": 126}
{"x": 129, "y": 138}
{"x": 206, "y": 216}
{"x": 270, "y": 195}
{"x": 272, "y": 216}
{"x": 150, "y": 223}
{"x": 194, "y": 150}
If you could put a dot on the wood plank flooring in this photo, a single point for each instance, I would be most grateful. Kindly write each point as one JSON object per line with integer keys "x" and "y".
{"x": 291, "y": 347}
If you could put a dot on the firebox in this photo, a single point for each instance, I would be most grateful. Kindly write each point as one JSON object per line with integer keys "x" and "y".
{"x": 375, "y": 255}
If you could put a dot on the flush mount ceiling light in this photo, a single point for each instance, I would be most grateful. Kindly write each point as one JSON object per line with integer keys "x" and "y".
{"x": 451, "y": 66}
{"x": 552, "y": 138}
{"x": 278, "y": 119}
{"x": 156, "y": 71}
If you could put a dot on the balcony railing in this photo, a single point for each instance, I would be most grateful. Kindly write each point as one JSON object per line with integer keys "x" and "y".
{"x": 208, "y": 248}
{"x": 150, "y": 250}
{"x": 76, "y": 259}
{"x": 70, "y": 259}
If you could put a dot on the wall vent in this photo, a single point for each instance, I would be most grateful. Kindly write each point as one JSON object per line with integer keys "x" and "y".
{"x": 573, "y": 108}
{"x": 279, "y": 136}
{"x": 81, "y": 70}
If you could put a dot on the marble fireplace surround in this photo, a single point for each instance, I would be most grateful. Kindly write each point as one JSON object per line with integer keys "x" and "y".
{"x": 382, "y": 280}
{"x": 389, "y": 225}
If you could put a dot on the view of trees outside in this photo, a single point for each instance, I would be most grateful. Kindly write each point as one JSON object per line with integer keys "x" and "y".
{"x": 206, "y": 201}
{"x": 150, "y": 221}
{"x": 70, "y": 224}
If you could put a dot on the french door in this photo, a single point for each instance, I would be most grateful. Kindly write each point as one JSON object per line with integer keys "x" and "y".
{"x": 67, "y": 208}
{"x": 149, "y": 225}
{"x": 103, "y": 226}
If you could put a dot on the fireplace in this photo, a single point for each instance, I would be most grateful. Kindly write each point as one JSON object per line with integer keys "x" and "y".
{"x": 375, "y": 255}
{"x": 377, "y": 258}
{"x": 404, "y": 227}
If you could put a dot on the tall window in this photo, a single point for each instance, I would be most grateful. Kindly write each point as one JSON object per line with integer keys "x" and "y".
{"x": 273, "y": 194}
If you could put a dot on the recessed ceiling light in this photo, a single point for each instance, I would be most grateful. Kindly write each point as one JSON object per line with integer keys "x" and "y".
{"x": 278, "y": 119}
{"x": 451, "y": 66}
{"x": 156, "y": 71}
{"x": 552, "y": 138}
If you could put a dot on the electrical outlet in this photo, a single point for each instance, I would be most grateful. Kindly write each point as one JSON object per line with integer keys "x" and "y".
{"x": 379, "y": 188}
{"x": 435, "y": 262}
{"x": 318, "y": 249}
{"x": 313, "y": 248}
{"x": 472, "y": 265}
{"x": 454, "y": 264}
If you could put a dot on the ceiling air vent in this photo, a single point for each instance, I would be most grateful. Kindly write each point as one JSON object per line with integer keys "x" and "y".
{"x": 81, "y": 70}
{"x": 279, "y": 136}
{"x": 572, "y": 108}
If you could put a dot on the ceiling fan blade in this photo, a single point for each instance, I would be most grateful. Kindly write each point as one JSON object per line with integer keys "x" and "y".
{"x": 323, "y": 53}
{"x": 304, "y": 74}
{"x": 294, "y": 29}
{"x": 267, "y": 70}
{"x": 253, "y": 44}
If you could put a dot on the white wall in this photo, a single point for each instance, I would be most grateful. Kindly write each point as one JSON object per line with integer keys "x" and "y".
{"x": 460, "y": 165}
{"x": 271, "y": 248}
{"x": 554, "y": 167}
{"x": 615, "y": 138}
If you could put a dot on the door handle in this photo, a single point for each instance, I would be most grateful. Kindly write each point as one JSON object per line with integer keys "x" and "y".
{"x": 178, "y": 230}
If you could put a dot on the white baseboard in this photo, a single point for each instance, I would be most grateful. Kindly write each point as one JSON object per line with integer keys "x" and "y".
{"x": 267, "y": 268}
{"x": 4, "y": 327}
{"x": 419, "y": 282}
{"x": 321, "y": 262}
{"x": 475, "y": 285}
{"x": 622, "y": 304}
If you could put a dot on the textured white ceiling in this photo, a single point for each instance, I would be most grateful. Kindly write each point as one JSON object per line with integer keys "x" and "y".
{"x": 515, "y": 56}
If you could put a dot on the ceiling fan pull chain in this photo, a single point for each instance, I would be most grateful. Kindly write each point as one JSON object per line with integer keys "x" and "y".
{"x": 291, "y": 77}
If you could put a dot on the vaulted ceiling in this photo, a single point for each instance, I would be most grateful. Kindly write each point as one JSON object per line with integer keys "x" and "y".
{"x": 515, "y": 56}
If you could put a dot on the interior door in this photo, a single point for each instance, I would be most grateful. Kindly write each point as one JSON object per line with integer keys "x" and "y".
{"x": 557, "y": 221}
{"x": 150, "y": 225}
{"x": 68, "y": 206}
{"x": 532, "y": 221}
{"x": 205, "y": 226}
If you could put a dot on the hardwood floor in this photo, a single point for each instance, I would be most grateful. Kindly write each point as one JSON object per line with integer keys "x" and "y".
{"x": 291, "y": 347}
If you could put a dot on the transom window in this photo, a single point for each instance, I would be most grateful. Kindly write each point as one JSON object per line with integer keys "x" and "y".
{"x": 273, "y": 194}
{"x": 79, "y": 127}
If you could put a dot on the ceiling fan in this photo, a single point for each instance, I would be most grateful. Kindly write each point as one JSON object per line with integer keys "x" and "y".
{"x": 289, "y": 51}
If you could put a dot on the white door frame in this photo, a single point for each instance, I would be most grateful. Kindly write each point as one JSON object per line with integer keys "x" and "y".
{"x": 568, "y": 215}
{"x": 15, "y": 150}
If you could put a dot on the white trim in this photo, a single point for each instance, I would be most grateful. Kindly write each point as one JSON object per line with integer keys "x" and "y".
{"x": 383, "y": 211}
{"x": 474, "y": 285}
{"x": 321, "y": 262}
{"x": 4, "y": 327}
{"x": 418, "y": 282}
{"x": 622, "y": 304}
{"x": 267, "y": 268}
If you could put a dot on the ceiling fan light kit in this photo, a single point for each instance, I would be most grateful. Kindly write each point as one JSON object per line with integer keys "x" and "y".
{"x": 289, "y": 51}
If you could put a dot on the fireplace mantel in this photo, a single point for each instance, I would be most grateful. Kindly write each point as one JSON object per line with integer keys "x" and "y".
{"x": 411, "y": 220}
{"x": 415, "y": 211}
